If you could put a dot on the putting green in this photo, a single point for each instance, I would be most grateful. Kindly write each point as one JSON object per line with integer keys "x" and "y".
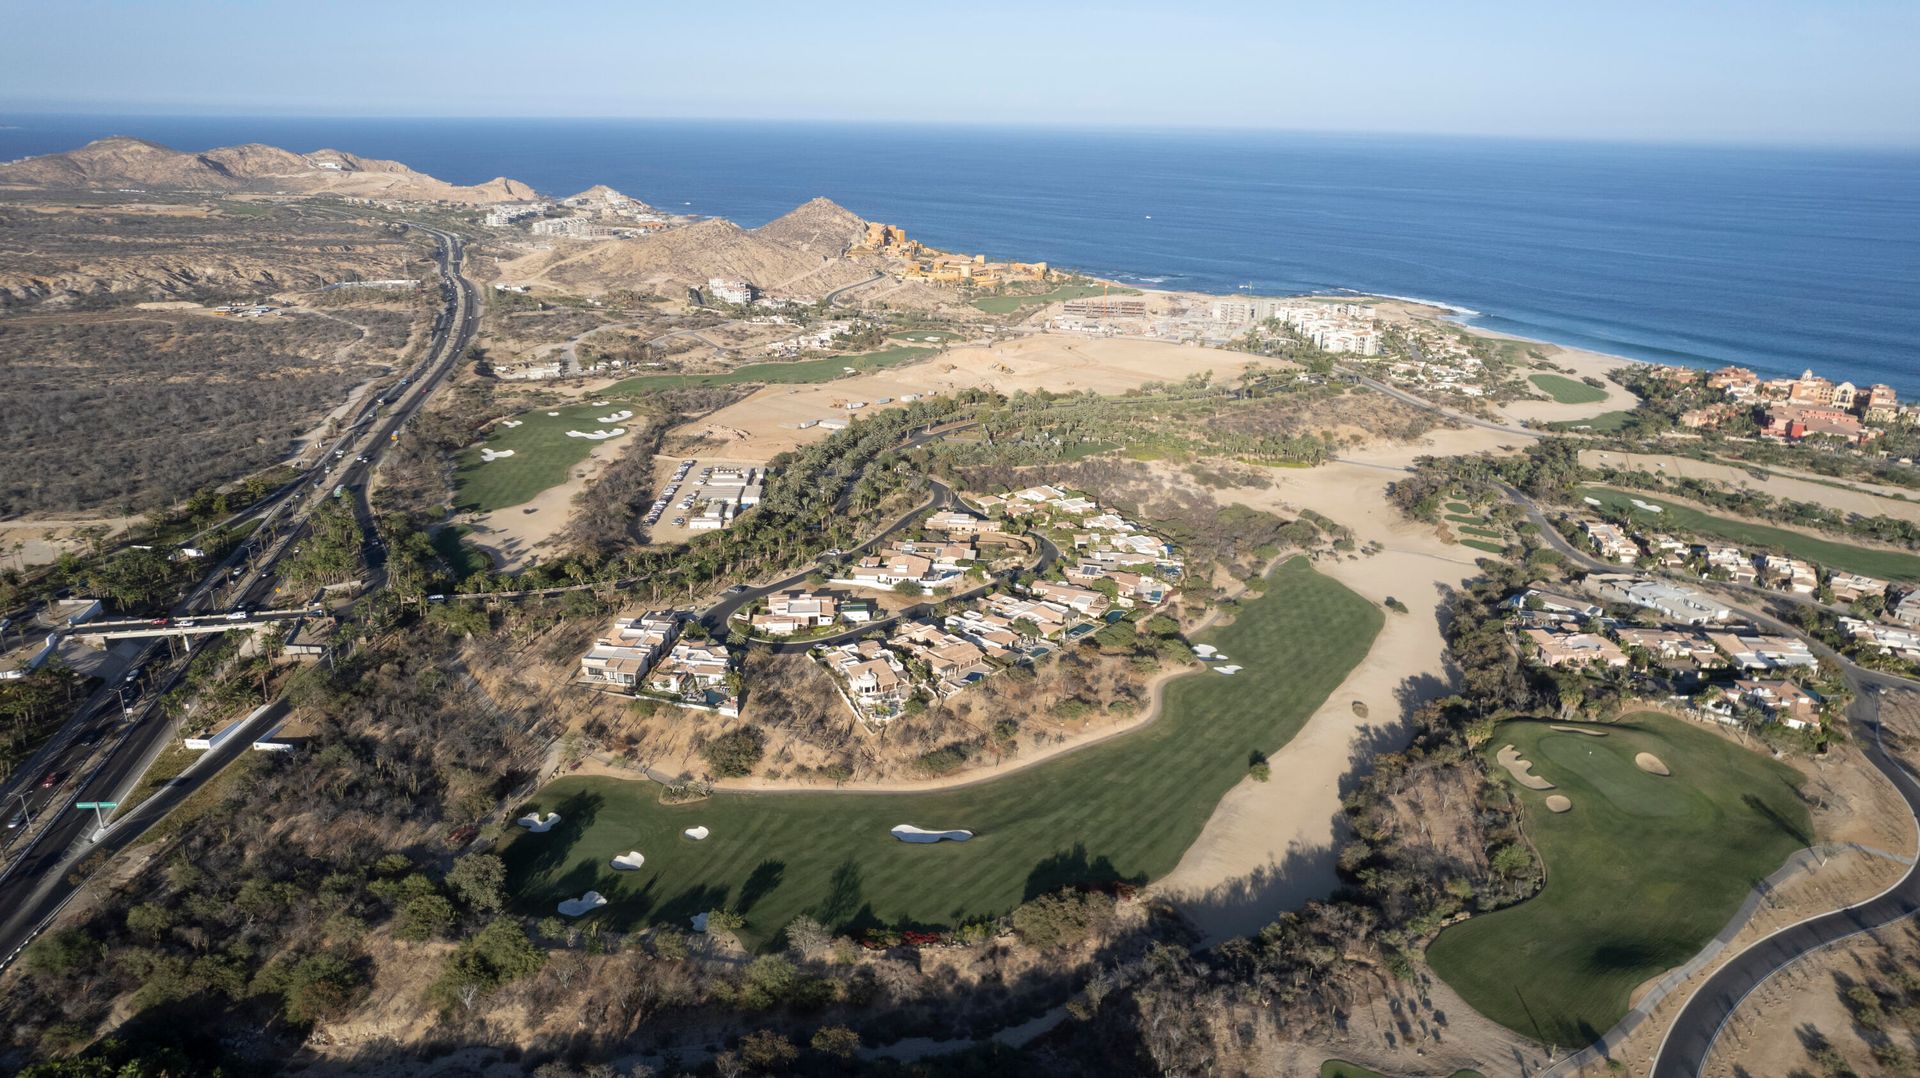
{"x": 1641, "y": 873}
{"x": 542, "y": 451}
{"x": 1122, "y": 809}
{"x": 1566, "y": 390}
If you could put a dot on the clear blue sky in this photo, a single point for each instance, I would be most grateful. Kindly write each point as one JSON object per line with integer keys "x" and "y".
{"x": 1809, "y": 71}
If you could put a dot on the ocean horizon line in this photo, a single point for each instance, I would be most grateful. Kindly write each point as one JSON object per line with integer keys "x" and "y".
{"x": 1752, "y": 142}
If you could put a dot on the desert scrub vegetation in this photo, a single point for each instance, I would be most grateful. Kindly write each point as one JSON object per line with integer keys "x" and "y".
{"x": 136, "y": 409}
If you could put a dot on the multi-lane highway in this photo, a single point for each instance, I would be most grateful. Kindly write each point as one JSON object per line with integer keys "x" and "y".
{"x": 101, "y": 753}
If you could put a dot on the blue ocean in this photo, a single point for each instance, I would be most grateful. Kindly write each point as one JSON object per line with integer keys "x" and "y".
{"x": 1774, "y": 258}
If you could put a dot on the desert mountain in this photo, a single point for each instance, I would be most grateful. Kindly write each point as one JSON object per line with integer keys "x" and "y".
{"x": 802, "y": 258}
{"x": 822, "y": 226}
{"x": 119, "y": 161}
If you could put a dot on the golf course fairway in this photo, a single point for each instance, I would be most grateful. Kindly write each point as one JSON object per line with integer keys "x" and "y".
{"x": 1121, "y": 809}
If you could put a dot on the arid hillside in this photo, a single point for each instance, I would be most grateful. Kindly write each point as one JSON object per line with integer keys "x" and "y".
{"x": 800, "y": 254}
{"x": 119, "y": 162}
{"x": 64, "y": 254}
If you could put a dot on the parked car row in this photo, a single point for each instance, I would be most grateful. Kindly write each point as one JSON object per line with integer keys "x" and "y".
{"x": 660, "y": 504}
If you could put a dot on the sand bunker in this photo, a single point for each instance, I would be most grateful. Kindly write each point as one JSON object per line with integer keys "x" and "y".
{"x": 1589, "y": 731}
{"x": 495, "y": 454}
{"x": 553, "y": 414}
{"x": 698, "y": 834}
{"x": 1648, "y": 506}
{"x": 1558, "y": 803}
{"x": 1521, "y": 770}
{"x": 511, "y": 422}
{"x": 1651, "y": 764}
{"x": 1228, "y": 669}
{"x": 906, "y": 832}
{"x": 629, "y": 861}
{"x": 1590, "y": 500}
{"x": 1205, "y": 651}
{"x": 537, "y": 823}
{"x": 597, "y": 435}
{"x": 616, "y": 417}
{"x": 585, "y": 904}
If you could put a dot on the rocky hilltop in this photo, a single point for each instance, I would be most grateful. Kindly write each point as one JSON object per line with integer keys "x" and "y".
{"x": 799, "y": 254}
{"x": 123, "y": 162}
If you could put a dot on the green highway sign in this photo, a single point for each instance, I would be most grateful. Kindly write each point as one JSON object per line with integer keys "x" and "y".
{"x": 96, "y": 804}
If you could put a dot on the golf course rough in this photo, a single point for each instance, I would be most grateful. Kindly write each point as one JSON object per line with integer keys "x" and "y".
{"x": 542, "y": 455}
{"x": 1640, "y": 875}
{"x": 1124, "y": 809}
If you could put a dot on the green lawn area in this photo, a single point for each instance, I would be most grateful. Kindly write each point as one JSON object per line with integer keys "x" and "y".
{"x": 1835, "y": 555}
{"x": 542, "y": 455}
{"x": 1483, "y": 533}
{"x": 1604, "y": 423}
{"x": 1060, "y": 294}
{"x": 926, "y": 336}
{"x": 1123, "y": 809}
{"x": 1567, "y": 390}
{"x": 1459, "y": 507}
{"x": 1340, "y": 1068}
{"x": 1484, "y": 546}
{"x": 1641, "y": 873}
{"x": 791, "y": 372}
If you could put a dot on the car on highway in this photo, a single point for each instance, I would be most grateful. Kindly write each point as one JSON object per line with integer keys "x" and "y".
{"x": 158, "y": 621}
{"x": 52, "y": 779}
{"x": 237, "y": 615}
{"x": 16, "y": 819}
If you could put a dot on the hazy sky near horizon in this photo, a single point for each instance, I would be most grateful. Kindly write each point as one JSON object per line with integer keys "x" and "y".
{"x": 1759, "y": 71}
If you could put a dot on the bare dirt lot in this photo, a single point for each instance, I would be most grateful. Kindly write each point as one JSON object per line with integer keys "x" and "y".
{"x": 768, "y": 422}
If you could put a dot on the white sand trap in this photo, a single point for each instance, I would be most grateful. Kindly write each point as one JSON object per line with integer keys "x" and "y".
{"x": 495, "y": 454}
{"x": 511, "y": 422}
{"x": 1587, "y": 730}
{"x": 1638, "y": 504}
{"x": 601, "y": 404}
{"x": 1590, "y": 500}
{"x": 630, "y": 860}
{"x": 698, "y": 834}
{"x": 906, "y": 832}
{"x": 1651, "y": 764}
{"x": 1205, "y": 651}
{"x": 1558, "y": 803}
{"x": 699, "y": 922}
{"x": 597, "y": 435}
{"x": 1228, "y": 669}
{"x": 849, "y": 370}
{"x": 616, "y": 417}
{"x": 1521, "y": 770}
{"x": 585, "y": 904}
{"x": 537, "y": 823}
{"x": 553, "y": 415}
